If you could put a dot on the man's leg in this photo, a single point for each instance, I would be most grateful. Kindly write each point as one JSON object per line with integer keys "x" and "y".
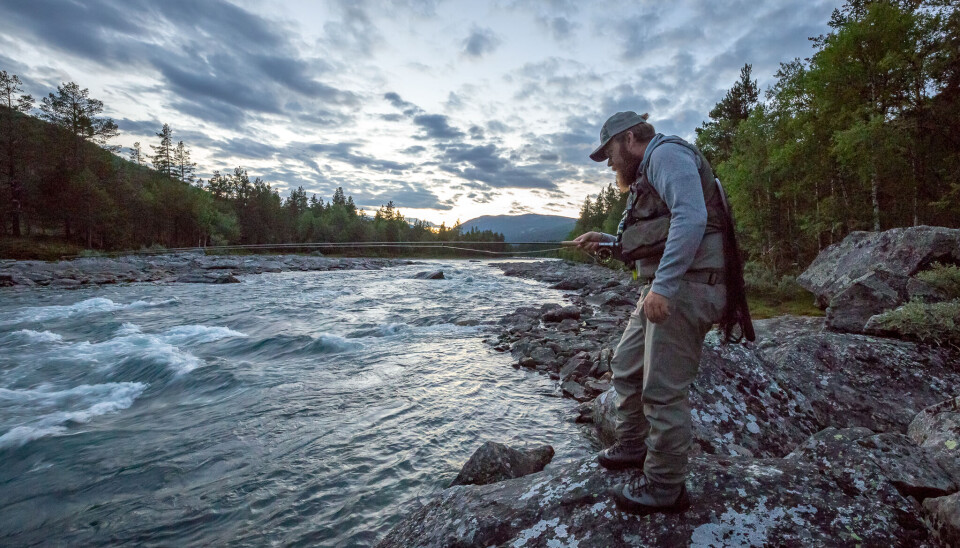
{"x": 627, "y": 368}
{"x": 671, "y": 362}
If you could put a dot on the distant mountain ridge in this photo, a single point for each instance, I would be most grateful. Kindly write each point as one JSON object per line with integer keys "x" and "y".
{"x": 530, "y": 227}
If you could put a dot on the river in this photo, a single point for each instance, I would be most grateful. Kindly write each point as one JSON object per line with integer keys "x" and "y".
{"x": 297, "y": 408}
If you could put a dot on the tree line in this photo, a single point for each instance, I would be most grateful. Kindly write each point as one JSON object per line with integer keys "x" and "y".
{"x": 862, "y": 135}
{"x": 60, "y": 176}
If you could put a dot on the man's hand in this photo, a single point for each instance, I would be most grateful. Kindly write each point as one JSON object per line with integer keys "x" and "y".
{"x": 656, "y": 307}
{"x": 589, "y": 241}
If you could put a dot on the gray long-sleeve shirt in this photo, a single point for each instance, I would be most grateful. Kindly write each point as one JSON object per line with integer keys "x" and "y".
{"x": 673, "y": 171}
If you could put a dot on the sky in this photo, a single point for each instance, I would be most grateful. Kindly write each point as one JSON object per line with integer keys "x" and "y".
{"x": 451, "y": 109}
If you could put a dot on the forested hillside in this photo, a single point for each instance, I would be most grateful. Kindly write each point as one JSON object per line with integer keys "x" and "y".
{"x": 60, "y": 176}
{"x": 863, "y": 135}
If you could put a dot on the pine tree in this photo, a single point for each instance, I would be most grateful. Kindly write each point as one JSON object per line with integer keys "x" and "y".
{"x": 136, "y": 154}
{"x": 72, "y": 109}
{"x": 183, "y": 167}
{"x": 715, "y": 138}
{"x": 12, "y": 138}
{"x": 163, "y": 153}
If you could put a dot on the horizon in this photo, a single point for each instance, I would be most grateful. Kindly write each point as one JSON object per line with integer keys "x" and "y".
{"x": 452, "y": 110}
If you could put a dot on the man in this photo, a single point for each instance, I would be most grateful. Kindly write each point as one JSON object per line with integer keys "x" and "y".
{"x": 672, "y": 230}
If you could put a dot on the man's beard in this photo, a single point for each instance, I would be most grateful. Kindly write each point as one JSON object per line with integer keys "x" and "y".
{"x": 627, "y": 175}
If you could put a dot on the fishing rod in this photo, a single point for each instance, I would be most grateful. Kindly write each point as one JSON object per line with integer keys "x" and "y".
{"x": 456, "y": 245}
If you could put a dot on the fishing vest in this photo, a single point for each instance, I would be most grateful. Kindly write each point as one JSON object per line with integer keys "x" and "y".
{"x": 646, "y": 222}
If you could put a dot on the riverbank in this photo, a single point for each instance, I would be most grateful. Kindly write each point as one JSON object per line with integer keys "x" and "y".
{"x": 810, "y": 435}
{"x": 195, "y": 267}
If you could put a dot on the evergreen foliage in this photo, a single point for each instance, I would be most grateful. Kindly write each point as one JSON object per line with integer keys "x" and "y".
{"x": 863, "y": 135}
{"x": 59, "y": 177}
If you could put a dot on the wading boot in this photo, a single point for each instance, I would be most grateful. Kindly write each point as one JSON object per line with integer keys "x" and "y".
{"x": 619, "y": 456}
{"x": 642, "y": 496}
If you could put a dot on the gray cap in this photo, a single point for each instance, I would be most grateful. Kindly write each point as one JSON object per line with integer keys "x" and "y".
{"x": 615, "y": 124}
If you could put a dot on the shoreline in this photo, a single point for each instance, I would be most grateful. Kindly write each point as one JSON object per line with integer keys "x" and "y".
{"x": 189, "y": 267}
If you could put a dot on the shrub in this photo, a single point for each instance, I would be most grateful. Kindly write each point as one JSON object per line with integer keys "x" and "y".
{"x": 934, "y": 323}
{"x": 946, "y": 278}
{"x": 763, "y": 282}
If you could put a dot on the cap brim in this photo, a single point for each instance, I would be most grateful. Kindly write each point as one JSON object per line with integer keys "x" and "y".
{"x": 600, "y": 154}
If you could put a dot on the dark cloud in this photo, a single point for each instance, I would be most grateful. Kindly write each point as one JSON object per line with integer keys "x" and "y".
{"x": 415, "y": 149}
{"x": 486, "y": 164}
{"x": 436, "y": 126}
{"x": 408, "y": 108}
{"x": 220, "y": 62}
{"x": 344, "y": 153}
{"x": 480, "y": 42}
{"x": 402, "y": 194}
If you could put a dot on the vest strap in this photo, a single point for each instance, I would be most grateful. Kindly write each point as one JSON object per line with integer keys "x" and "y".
{"x": 709, "y": 277}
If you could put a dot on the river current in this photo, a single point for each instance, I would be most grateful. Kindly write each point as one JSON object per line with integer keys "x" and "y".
{"x": 295, "y": 409}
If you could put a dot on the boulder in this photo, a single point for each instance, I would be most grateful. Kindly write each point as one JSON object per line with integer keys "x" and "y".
{"x": 560, "y": 313}
{"x": 799, "y": 379}
{"x": 901, "y": 250}
{"x": 435, "y": 275}
{"x": 574, "y": 390}
{"x": 868, "y": 295}
{"x": 943, "y": 515}
{"x": 494, "y": 462}
{"x": 937, "y": 428}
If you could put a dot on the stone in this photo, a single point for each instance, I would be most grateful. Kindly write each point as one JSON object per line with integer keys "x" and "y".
{"x": 578, "y": 366}
{"x": 557, "y": 313}
{"x": 911, "y": 469}
{"x": 937, "y": 428}
{"x": 494, "y": 462}
{"x": 225, "y": 278}
{"x": 919, "y": 290}
{"x": 867, "y": 296}
{"x": 901, "y": 250}
{"x": 435, "y": 275}
{"x": 737, "y": 501}
{"x": 943, "y": 514}
{"x": 575, "y": 390}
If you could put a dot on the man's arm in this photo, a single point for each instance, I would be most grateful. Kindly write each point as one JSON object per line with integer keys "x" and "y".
{"x": 673, "y": 173}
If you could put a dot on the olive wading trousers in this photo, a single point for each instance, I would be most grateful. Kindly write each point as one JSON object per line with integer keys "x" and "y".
{"x": 653, "y": 368}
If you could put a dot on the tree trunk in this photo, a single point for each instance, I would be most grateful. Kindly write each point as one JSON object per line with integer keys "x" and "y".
{"x": 875, "y": 200}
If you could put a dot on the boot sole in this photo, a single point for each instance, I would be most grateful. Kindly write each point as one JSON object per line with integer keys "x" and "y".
{"x": 626, "y": 505}
{"x": 619, "y": 464}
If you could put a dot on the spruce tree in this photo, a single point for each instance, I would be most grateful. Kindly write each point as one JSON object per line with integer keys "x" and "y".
{"x": 163, "y": 153}
{"x": 183, "y": 167}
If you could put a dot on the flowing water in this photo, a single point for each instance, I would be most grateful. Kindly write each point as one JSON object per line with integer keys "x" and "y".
{"x": 306, "y": 408}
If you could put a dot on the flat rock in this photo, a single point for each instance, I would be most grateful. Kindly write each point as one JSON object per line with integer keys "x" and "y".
{"x": 943, "y": 514}
{"x": 494, "y": 462}
{"x": 737, "y": 501}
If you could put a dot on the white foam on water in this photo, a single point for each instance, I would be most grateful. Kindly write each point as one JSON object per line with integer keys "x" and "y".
{"x": 329, "y": 343}
{"x": 196, "y": 334}
{"x": 89, "y": 306}
{"x": 163, "y": 348}
{"x": 38, "y": 336}
{"x": 47, "y": 412}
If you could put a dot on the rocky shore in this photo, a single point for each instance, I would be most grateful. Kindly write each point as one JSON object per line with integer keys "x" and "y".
{"x": 194, "y": 267}
{"x": 819, "y": 433}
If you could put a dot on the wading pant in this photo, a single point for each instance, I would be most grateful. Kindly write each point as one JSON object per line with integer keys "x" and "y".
{"x": 653, "y": 367}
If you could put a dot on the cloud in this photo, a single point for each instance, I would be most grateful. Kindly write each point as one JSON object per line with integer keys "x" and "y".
{"x": 486, "y": 164}
{"x": 344, "y": 153}
{"x": 408, "y": 108}
{"x": 402, "y": 194}
{"x": 436, "y": 126}
{"x": 480, "y": 42}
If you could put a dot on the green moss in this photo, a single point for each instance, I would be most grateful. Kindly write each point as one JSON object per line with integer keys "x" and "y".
{"x": 934, "y": 323}
{"x": 946, "y": 278}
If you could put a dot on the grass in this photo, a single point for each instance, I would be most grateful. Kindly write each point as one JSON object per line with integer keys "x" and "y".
{"x": 762, "y": 307}
{"x": 39, "y": 248}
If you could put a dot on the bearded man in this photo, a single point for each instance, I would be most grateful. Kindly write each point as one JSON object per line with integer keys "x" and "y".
{"x": 672, "y": 232}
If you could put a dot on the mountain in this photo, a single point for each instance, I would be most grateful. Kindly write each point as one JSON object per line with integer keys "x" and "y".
{"x": 530, "y": 227}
